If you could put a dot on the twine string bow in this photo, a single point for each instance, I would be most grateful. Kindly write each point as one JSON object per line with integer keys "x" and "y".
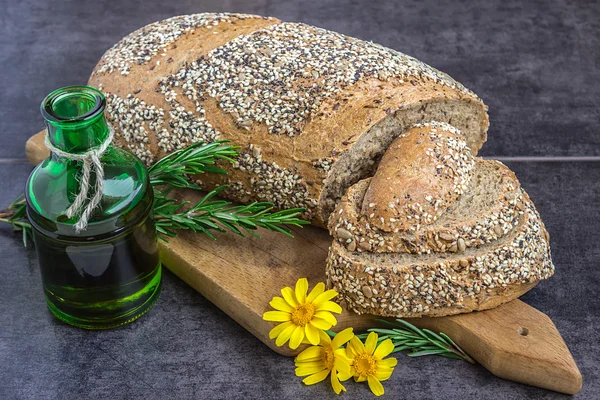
{"x": 91, "y": 162}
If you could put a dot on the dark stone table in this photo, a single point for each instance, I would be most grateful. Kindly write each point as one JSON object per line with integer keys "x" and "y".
{"x": 536, "y": 64}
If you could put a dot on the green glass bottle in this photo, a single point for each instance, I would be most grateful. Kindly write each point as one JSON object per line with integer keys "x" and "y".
{"x": 108, "y": 274}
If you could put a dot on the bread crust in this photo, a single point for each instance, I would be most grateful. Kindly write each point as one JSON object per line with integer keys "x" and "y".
{"x": 176, "y": 82}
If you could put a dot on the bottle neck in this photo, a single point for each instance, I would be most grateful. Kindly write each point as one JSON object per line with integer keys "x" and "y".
{"x": 75, "y": 118}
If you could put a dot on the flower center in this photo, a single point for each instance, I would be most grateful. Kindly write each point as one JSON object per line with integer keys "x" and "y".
{"x": 303, "y": 314}
{"x": 328, "y": 357}
{"x": 365, "y": 364}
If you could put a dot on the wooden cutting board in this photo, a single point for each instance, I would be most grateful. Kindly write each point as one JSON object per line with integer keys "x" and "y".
{"x": 241, "y": 275}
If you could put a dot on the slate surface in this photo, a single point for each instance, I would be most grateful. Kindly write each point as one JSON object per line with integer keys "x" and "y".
{"x": 535, "y": 64}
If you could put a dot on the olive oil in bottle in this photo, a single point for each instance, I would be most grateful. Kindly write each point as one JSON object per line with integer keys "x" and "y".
{"x": 109, "y": 273}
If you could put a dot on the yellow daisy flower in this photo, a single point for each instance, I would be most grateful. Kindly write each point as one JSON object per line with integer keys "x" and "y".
{"x": 302, "y": 315}
{"x": 319, "y": 361}
{"x": 368, "y": 361}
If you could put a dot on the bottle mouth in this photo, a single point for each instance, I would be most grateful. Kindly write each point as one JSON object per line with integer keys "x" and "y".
{"x": 73, "y": 104}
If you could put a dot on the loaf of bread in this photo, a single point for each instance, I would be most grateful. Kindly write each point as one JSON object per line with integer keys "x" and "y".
{"x": 422, "y": 226}
{"x": 312, "y": 110}
{"x": 448, "y": 234}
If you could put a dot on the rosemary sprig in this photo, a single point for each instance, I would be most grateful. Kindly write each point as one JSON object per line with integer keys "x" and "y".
{"x": 16, "y": 215}
{"x": 196, "y": 159}
{"x": 219, "y": 215}
{"x": 207, "y": 214}
{"x": 419, "y": 342}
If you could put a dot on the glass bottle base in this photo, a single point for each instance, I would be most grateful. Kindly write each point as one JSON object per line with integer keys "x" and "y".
{"x": 151, "y": 292}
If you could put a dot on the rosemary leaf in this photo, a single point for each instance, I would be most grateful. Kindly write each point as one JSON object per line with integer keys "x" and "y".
{"x": 426, "y": 352}
{"x": 453, "y": 356}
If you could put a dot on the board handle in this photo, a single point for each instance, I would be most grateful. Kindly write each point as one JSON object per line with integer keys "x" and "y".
{"x": 35, "y": 149}
{"x": 513, "y": 341}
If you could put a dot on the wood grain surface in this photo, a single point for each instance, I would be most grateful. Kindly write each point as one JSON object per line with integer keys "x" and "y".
{"x": 240, "y": 276}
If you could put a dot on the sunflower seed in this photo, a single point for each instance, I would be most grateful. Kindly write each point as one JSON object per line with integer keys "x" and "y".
{"x": 343, "y": 234}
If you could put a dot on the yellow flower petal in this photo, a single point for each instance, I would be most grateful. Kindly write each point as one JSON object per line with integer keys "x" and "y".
{"x": 329, "y": 306}
{"x": 296, "y": 337}
{"x": 310, "y": 369}
{"x": 316, "y": 378}
{"x": 320, "y": 323}
{"x": 278, "y": 329}
{"x": 388, "y": 362}
{"x": 317, "y": 290}
{"x": 285, "y": 335}
{"x": 327, "y": 316}
{"x": 328, "y": 295}
{"x": 359, "y": 378}
{"x": 280, "y": 304}
{"x": 383, "y": 374}
{"x": 313, "y": 352}
{"x": 312, "y": 334}
{"x": 277, "y": 316}
{"x": 288, "y": 295}
{"x": 318, "y": 364}
{"x": 375, "y": 385}
{"x": 342, "y": 338}
{"x": 355, "y": 346}
{"x": 335, "y": 383}
{"x": 342, "y": 365}
{"x": 384, "y": 349}
{"x": 371, "y": 342}
{"x": 301, "y": 289}
{"x": 345, "y": 375}
{"x": 325, "y": 339}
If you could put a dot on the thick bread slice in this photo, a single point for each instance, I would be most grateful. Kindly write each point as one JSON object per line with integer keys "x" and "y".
{"x": 439, "y": 284}
{"x": 488, "y": 209}
{"x": 312, "y": 110}
{"x": 420, "y": 175}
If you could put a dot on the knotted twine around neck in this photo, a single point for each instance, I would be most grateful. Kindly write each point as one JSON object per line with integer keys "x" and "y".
{"x": 91, "y": 161}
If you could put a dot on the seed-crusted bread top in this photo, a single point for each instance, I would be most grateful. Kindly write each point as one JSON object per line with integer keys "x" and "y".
{"x": 439, "y": 284}
{"x": 488, "y": 209}
{"x": 420, "y": 175}
{"x": 295, "y": 98}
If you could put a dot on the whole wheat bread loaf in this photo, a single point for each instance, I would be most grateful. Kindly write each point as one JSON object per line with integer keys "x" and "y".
{"x": 312, "y": 110}
{"x": 315, "y": 113}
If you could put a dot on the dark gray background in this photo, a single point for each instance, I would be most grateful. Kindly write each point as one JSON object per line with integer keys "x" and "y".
{"x": 534, "y": 63}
